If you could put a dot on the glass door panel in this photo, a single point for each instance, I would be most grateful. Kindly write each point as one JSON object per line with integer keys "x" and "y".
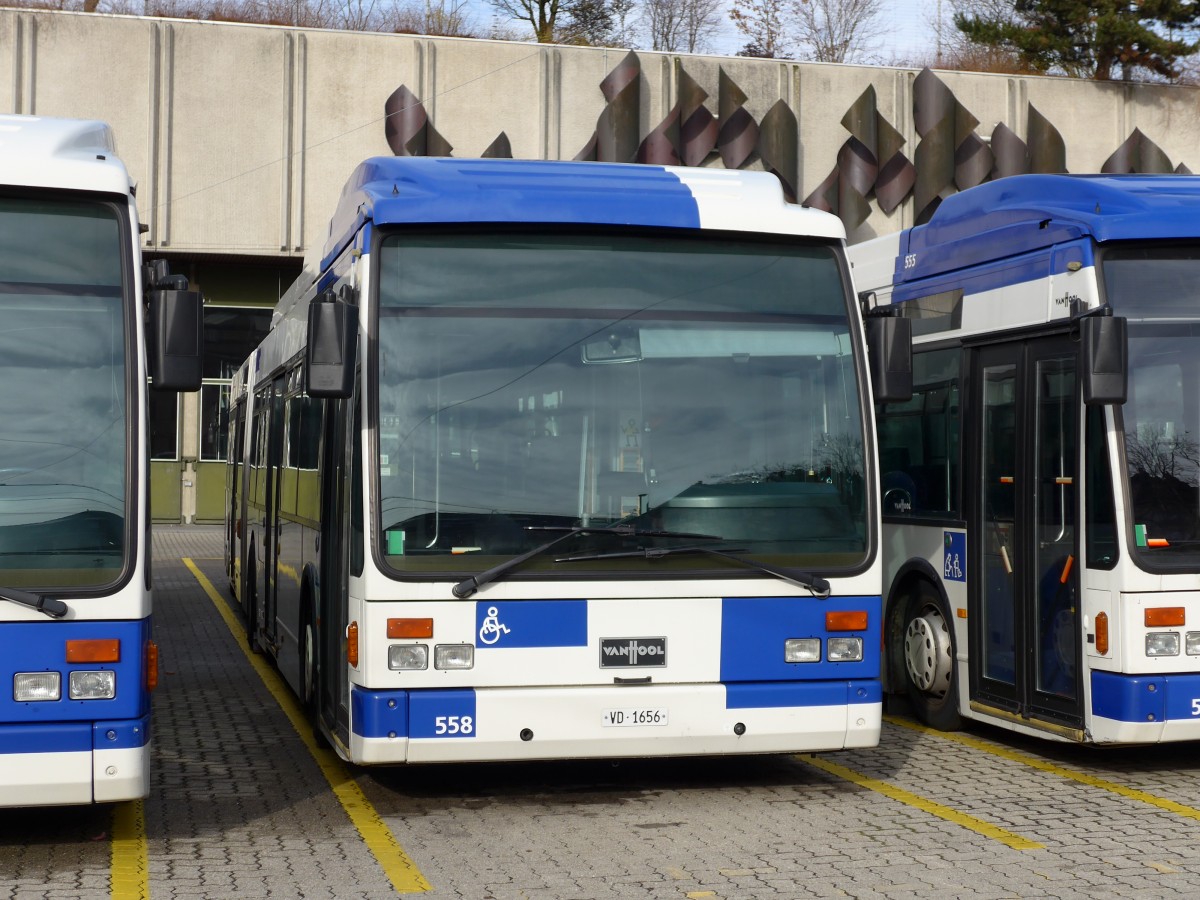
{"x": 998, "y": 508}
{"x": 1024, "y": 635}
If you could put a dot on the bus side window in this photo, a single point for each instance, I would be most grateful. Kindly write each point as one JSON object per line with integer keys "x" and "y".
{"x": 919, "y": 440}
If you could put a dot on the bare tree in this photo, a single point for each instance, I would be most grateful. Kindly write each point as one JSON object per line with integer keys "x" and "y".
{"x": 682, "y": 26}
{"x": 585, "y": 22}
{"x": 448, "y": 18}
{"x": 359, "y": 15}
{"x": 624, "y": 28}
{"x": 542, "y": 15}
{"x": 702, "y": 20}
{"x": 664, "y": 22}
{"x": 761, "y": 22}
{"x": 837, "y": 30}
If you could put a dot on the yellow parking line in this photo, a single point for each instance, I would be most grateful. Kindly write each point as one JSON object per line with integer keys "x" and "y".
{"x": 403, "y": 873}
{"x": 979, "y": 826}
{"x": 130, "y": 863}
{"x": 1179, "y": 809}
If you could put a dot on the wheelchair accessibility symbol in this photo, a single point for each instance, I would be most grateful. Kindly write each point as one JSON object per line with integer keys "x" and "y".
{"x": 492, "y": 628}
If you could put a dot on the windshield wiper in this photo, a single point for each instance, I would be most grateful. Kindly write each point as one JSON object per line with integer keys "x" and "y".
{"x": 468, "y": 587}
{"x": 819, "y": 586}
{"x": 55, "y": 609}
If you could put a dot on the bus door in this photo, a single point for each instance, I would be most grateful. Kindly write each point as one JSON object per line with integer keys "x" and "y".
{"x": 1024, "y": 612}
{"x": 234, "y": 529}
{"x": 272, "y": 525}
{"x": 340, "y": 443}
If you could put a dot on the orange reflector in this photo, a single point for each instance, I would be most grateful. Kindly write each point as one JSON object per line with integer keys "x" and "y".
{"x": 99, "y": 650}
{"x": 1102, "y": 633}
{"x": 151, "y": 665}
{"x": 846, "y": 621}
{"x": 1159, "y": 616}
{"x": 410, "y": 628}
{"x": 352, "y": 644}
{"x": 961, "y": 612}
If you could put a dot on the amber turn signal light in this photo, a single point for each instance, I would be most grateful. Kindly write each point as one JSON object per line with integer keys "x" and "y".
{"x": 846, "y": 621}
{"x": 410, "y": 628}
{"x": 1164, "y": 616}
{"x": 98, "y": 650}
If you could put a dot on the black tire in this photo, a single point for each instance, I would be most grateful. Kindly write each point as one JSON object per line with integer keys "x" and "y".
{"x": 929, "y": 659}
{"x": 307, "y": 675}
{"x": 251, "y": 584}
{"x": 310, "y": 669}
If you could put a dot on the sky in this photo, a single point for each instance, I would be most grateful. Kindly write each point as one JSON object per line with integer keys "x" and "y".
{"x": 907, "y": 24}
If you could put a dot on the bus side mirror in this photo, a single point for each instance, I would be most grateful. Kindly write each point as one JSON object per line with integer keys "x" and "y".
{"x": 1104, "y": 359}
{"x": 889, "y": 351}
{"x": 332, "y": 340}
{"x": 177, "y": 324}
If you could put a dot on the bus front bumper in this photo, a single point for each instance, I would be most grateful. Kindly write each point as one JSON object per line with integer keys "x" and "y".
{"x": 397, "y": 726}
{"x": 56, "y": 764}
{"x": 1145, "y": 709}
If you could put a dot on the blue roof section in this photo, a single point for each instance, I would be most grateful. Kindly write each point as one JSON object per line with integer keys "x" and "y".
{"x": 1024, "y": 213}
{"x": 399, "y": 190}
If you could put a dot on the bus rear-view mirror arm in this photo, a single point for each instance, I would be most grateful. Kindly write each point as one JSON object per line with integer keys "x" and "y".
{"x": 1103, "y": 356}
{"x": 329, "y": 357}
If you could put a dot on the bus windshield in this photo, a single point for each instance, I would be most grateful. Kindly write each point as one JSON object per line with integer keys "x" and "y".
{"x": 1158, "y": 290}
{"x": 534, "y": 381}
{"x": 63, "y": 493}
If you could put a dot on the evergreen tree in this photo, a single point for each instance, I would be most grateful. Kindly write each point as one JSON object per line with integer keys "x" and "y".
{"x": 1088, "y": 38}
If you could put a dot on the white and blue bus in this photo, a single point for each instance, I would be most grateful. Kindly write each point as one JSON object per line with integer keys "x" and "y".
{"x": 76, "y": 656}
{"x": 1041, "y": 488}
{"x": 553, "y": 459}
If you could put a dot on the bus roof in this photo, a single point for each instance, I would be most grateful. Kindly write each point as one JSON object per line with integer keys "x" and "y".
{"x": 69, "y": 154}
{"x": 425, "y": 190}
{"x": 1023, "y": 213}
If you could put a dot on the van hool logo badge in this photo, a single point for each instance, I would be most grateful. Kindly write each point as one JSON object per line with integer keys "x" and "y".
{"x": 625, "y": 652}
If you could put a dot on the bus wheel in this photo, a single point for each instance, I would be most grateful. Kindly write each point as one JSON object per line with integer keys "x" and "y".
{"x": 308, "y": 661}
{"x": 251, "y": 605}
{"x": 929, "y": 670}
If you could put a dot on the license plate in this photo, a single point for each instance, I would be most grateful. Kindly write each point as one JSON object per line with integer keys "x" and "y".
{"x": 624, "y": 718}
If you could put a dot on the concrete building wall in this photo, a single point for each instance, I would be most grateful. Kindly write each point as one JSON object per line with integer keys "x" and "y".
{"x": 240, "y": 136}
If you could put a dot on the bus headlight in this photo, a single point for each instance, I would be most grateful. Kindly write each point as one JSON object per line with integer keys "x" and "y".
{"x": 454, "y": 656}
{"x": 35, "y": 687}
{"x": 408, "y": 656}
{"x": 844, "y": 649}
{"x": 1162, "y": 643}
{"x": 1193, "y": 643}
{"x": 92, "y": 685}
{"x": 802, "y": 650}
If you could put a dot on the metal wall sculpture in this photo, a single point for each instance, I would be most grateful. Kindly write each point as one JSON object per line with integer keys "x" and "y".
{"x": 950, "y": 155}
{"x": 688, "y": 135}
{"x": 1141, "y": 155}
{"x": 870, "y": 160}
{"x": 500, "y": 148}
{"x": 738, "y": 133}
{"x": 616, "y": 137}
{"x": 408, "y": 129}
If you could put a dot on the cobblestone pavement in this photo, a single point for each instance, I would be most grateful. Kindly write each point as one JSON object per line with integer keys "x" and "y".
{"x": 241, "y": 808}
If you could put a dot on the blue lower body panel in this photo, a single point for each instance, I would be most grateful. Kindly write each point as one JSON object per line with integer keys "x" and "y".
{"x": 1146, "y": 698}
